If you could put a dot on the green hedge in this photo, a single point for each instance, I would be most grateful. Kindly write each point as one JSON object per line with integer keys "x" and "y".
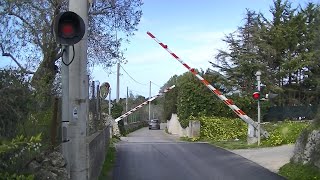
{"x": 218, "y": 129}
{"x": 285, "y": 133}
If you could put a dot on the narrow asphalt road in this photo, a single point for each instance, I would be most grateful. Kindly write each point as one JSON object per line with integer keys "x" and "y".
{"x": 154, "y": 155}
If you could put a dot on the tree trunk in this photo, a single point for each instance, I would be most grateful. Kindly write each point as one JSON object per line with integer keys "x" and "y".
{"x": 44, "y": 77}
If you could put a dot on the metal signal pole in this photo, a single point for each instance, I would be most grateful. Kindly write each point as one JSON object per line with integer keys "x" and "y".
{"x": 258, "y": 74}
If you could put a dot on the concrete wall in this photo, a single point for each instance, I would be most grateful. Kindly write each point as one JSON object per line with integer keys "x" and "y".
{"x": 134, "y": 126}
{"x": 174, "y": 127}
{"x": 97, "y": 145}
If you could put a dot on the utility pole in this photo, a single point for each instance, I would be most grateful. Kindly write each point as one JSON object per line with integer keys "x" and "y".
{"x": 78, "y": 99}
{"x": 110, "y": 102}
{"x": 150, "y": 102}
{"x": 118, "y": 81}
{"x": 258, "y": 74}
{"x": 126, "y": 121}
{"x": 65, "y": 106}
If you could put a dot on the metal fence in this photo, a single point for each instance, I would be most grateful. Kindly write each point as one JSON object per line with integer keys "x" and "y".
{"x": 98, "y": 119}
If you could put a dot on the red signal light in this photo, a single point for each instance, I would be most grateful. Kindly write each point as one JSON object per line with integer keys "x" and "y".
{"x": 67, "y": 30}
{"x": 256, "y": 95}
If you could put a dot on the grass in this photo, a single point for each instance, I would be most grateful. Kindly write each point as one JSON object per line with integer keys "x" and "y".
{"x": 294, "y": 171}
{"x": 109, "y": 161}
{"x": 232, "y": 144}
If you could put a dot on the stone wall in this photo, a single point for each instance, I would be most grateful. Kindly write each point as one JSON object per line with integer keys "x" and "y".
{"x": 307, "y": 148}
{"x": 49, "y": 165}
{"x": 97, "y": 147}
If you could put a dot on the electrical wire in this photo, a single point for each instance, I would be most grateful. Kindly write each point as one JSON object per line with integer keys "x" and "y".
{"x": 132, "y": 77}
{"x": 155, "y": 84}
{"x": 63, "y": 51}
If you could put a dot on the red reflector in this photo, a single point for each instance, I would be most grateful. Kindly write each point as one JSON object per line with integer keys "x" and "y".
{"x": 67, "y": 29}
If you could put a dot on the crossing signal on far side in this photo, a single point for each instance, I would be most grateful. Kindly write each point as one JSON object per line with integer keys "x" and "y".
{"x": 256, "y": 95}
{"x": 68, "y": 28}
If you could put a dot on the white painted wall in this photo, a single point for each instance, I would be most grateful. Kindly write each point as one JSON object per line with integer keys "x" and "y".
{"x": 174, "y": 127}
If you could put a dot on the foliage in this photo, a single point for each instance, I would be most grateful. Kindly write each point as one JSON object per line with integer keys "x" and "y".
{"x": 285, "y": 133}
{"x": 169, "y": 100}
{"x": 26, "y": 35}
{"x": 131, "y": 128}
{"x": 195, "y": 99}
{"x": 109, "y": 160}
{"x": 293, "y": 171}
{"x": 289, "y": 130}
{"x": 15, "y": 153}
{"x": 15, "y": 101}
{"x": 219, "y": 129}
{"x": 284, "y": 48}
{"x": 192, "y": 98}
{"x": 234, "y": 144}
{"x": 37, "y": 122}
{"x": 14, "y": 176}
{"x": 116, "y": 110}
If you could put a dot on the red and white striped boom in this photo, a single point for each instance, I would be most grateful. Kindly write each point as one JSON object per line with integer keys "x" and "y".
{"x": 218, "y": 93}
{"x": 143, "y": 104}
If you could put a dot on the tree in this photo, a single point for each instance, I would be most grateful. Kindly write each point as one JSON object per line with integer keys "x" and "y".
{"x": 282, "y": 48}
{"x": 26, "y": 34}
{"x": 16, "y": 101}
{"x": 169, "y": 100}
{"x": 241, "y": 61}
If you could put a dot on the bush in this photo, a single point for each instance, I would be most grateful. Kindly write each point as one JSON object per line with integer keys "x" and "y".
{"x": 16, "y": 100}
{"x": 219, "y": 129}
{"x": 15, "y": 154}
{"x": 285, "y": 133}
{"x": 293, "y": 171}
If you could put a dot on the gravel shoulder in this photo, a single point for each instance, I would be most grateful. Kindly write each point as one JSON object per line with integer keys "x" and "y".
{"x": 271, "y": 158}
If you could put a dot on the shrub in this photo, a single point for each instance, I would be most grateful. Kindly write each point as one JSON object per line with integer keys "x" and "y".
{"x": 15, "y": 154}
{"x": 222, "y": 128}
{"x": 285, "y": 133}
{"x": 293, "y": 171}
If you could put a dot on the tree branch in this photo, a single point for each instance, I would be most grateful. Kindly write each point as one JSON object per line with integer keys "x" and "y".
{"x": 15, "y": 60}
{"x": 102, "y": 11}
{"x": 28, "y": 24}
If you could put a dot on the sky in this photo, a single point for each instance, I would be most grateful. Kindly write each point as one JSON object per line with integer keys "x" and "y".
{"x": 192, "y": 29}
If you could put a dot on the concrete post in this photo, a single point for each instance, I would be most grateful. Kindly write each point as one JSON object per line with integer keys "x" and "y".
{"x": 126, "y": 119}
{"x": 78, "y": 109}
{"x": 65, "y": 106}
{"x": 118, "y": 82}
{"x": 150, "y": 102}
{"x": 194, "y": 129}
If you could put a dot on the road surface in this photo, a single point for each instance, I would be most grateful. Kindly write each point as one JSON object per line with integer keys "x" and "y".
{"x": 154, "y": 155}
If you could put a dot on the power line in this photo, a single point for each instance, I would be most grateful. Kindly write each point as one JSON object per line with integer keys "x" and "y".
{"x": 155, "y": 84}
{"x": 132, "y": 77}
